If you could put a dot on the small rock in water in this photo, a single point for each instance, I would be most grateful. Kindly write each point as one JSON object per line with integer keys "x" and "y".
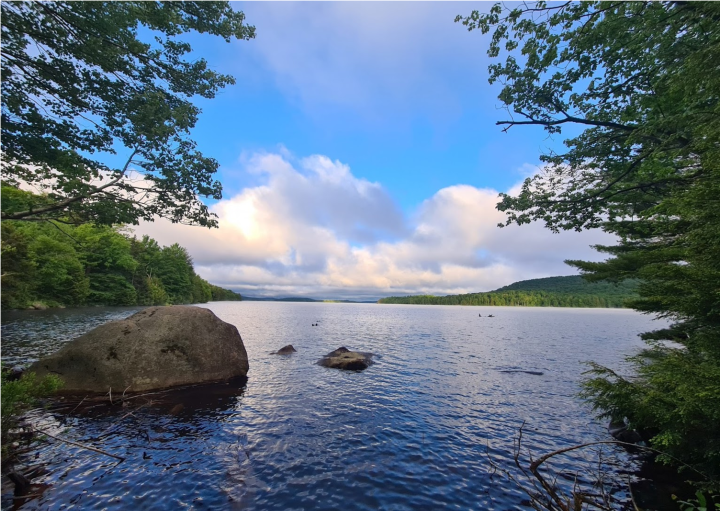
{"x": 285, "y": 350}
{"x": 343, "y": 358}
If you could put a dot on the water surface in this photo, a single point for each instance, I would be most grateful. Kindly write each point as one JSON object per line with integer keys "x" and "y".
{"x": 417, "y": 430}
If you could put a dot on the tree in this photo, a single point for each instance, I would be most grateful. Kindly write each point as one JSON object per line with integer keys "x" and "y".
{"x": 18, "y": 272}
{"x": 84, "y": 83}
{"x": 108, "y": 263}
{"x": 643, "y": 81}
{"x": 201, "y": 291}
{"x": 60, "y": 276}
{"x": 175, "y": 271}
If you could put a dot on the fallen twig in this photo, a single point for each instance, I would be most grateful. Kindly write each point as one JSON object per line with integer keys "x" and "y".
{"x": 142, "y": 395}
{"x": 76, "y": 406}
{"x": 632, "y": 496}
{"x": 116, "y": 423}
{"x": 82, "y": 446}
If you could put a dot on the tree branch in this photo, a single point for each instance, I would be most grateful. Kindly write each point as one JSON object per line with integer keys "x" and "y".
{"x": 71, "y": 200}
{"x": 568, "y": 118}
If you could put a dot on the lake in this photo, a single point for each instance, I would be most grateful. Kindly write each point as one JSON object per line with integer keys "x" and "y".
{"x": 416, "y": 430}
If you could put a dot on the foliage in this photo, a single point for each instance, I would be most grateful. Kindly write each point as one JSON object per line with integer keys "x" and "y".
{"x": 219, "y": 294}
{"x": 575, "y": 284}
{"x": 570, "y": 291}
{"x": 174, "y": 269}
{"x": 58, "y": 268}
{"x": 87, "y": 83}
{"x": 20, "y": 395}
{"x": 700, "y": 503}
{"x": 17, "y": 270}
{"x": 643, "y": 81}
{"x": 59, "y": 264}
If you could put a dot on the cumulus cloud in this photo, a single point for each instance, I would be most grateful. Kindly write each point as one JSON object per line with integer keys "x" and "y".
{"x": 312, "y": 228}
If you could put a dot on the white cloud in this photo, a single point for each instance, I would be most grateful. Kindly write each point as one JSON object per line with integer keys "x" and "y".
{"x": 367, "y": 57}
{"x": 313, "y": 228}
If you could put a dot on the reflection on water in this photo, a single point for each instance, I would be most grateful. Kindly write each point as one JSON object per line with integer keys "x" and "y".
{"x": 29, "y": 335}
{"x": 413, "y": 431}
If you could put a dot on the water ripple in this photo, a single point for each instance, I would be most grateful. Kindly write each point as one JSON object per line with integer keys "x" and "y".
{"x": 416, "y": 430}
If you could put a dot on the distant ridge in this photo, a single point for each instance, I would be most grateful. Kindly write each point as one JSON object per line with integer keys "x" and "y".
{"x": 296, "y": 299}
{"x": 571, "y": 291}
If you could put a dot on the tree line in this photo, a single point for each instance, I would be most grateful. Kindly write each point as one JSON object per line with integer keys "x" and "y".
{"x": 71, "y": 265}
{"x": 515, "y": 298}
{"x": 568, "y": 291}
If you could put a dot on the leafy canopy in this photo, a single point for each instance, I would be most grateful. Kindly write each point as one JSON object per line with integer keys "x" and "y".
{"x": 643, "y": 80}
{"x": 641, "y": 76}
{"x": 82, "y": 81}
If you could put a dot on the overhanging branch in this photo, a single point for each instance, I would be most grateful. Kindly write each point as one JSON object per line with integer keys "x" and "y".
{"x": 70, "y": 200}
{"x": 567, "y": 119}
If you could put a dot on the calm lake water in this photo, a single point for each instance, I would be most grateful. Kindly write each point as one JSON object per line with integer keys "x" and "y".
{"x": 417, "y": 430}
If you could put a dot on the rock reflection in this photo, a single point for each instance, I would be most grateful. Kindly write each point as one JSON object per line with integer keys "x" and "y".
{"x": 161, "y": 435}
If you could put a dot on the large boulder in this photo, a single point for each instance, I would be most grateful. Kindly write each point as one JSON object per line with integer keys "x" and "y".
{"x": 156, "y": 348}
{"x": 343, "y": 358}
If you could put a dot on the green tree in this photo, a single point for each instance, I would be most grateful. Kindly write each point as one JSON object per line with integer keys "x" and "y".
{"x": 219, "y": 294}
{"x": 201, "y": 292}
{"x": 149, "y": 288}
{"x": 60, "y": 275}
{"x": 643, "y": 81}
{"x": 86, "y": 83}
{"x": 18, "y": 272}
{"x": 108, "y": 263}
{"x": 175, "y": 271}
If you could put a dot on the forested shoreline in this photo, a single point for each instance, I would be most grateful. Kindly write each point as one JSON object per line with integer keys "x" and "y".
{"x": 57, "y": 265}
{"x": 570, "y": 291}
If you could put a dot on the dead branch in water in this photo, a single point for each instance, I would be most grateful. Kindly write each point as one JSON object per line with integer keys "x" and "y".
{"x": 546, "y": 495}
{"x": 82, "y": 446}
{"x": 109, "y": 429}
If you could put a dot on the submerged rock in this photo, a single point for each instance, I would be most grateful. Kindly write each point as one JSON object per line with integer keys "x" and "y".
{"x": 343, "y": 358}
{"x": 285, "y": 350}
{"x": 156, "y": 348}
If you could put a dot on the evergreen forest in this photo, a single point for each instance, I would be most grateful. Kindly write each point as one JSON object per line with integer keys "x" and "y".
{"x": 572, "y": 291}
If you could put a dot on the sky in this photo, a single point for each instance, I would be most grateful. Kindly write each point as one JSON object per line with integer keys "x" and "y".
{"x": 360, "y": 158}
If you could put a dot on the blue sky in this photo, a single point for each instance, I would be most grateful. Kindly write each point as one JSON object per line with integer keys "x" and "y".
{"x": 398, "y": 90}
{"x": 360, "y": 157}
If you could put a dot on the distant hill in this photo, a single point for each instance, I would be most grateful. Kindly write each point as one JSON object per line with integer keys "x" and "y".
{"x": 294, "y": 299}
{"x": 572, "y": 291}
{"x": 274, "y": 299}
